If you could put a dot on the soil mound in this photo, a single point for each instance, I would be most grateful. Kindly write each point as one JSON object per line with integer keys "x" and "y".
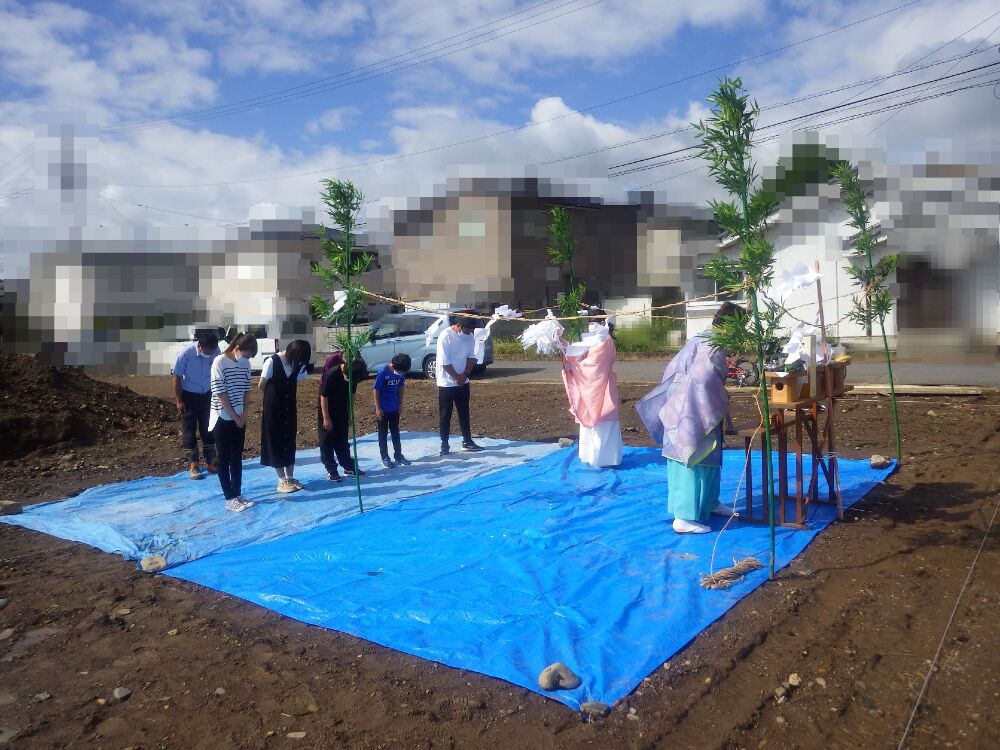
{"x": 45, "y": 407}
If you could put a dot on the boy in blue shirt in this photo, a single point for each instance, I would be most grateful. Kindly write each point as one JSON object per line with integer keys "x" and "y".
{"x": 388, "y": 394}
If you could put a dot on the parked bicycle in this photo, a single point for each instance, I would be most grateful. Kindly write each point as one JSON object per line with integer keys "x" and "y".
{"x": 746, "y": 372}
{"x": 743, "y": 372}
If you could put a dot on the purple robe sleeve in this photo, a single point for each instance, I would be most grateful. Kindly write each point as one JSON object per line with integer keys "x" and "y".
{"x": 690, "y": 402}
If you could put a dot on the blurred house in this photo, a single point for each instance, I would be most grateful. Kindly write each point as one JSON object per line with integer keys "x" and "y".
{"x": 121, "y": 299}
{"x": 943, "y": 220}
{"x": 481, "y": 242}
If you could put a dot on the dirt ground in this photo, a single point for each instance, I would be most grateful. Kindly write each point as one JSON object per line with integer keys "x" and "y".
{"x": 858, "y": 616}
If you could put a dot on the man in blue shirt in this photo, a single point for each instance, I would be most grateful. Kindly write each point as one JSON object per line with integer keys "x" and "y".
{"x": 388, "y": 396}
{"x": 193, "y": 393}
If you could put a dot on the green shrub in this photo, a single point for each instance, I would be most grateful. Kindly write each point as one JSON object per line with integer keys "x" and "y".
{"x": 646, "y": 338}
{"x": 507, "y": 348}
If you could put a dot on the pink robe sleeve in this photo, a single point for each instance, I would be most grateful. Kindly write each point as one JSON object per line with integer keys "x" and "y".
{"x": 591, "y": 385}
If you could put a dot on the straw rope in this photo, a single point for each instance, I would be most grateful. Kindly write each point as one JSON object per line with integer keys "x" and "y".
{"x": 612, "y": 313}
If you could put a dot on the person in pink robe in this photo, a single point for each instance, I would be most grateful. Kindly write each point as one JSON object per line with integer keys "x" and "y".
{"x": 592, "y": 388}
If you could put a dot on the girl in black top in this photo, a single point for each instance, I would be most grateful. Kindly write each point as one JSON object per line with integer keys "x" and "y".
{"x": 279, "y": 380}
{"x": 333, "y": 417}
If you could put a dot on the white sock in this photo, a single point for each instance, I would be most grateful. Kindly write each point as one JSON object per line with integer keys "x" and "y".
{"x": 690, "y": 527}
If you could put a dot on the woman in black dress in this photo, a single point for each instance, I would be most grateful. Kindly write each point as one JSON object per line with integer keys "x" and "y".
{"x": 333, "y": 417}
{"x": 279, "y": 380}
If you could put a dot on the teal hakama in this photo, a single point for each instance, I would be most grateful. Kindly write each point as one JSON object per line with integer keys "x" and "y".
{"x": 684, "y": 414}
{"x": 693, "y": 491}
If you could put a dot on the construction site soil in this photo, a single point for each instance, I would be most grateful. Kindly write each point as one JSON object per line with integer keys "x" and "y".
{"x": 857, "y": 618}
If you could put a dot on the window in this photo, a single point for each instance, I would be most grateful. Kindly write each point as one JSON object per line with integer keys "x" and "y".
{"x": 472, "y": 229}
{"x": 386, "y": 329}
{"x": 295, "y": 327}
{"x": 414, "y": 325}
{"x": 258, "y": 332}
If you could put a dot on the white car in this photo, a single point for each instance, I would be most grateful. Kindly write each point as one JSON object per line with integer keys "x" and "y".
{"x": 403, "y": 333}
{"x": 268, "y": 345}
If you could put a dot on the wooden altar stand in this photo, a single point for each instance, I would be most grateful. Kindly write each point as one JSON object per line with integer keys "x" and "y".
{"x": 811, "y": 418}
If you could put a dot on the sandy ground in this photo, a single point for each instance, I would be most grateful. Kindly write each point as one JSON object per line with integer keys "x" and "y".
{"x": 857, "y": 617}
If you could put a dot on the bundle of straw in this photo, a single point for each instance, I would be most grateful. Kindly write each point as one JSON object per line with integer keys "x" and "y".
{"x": 728, "y": 576}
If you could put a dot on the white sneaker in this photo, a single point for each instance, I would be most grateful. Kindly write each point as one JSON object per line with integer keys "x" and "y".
{"x": 285, "y": 486}
{"x": 724, "y": 510}
{"x": 690, "y": 527}
{"x": 238, "y": 504}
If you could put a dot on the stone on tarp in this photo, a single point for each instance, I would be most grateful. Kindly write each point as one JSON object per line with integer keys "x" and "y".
{"x": 558, "y": 677}
{"x": 594, "y": 708}
{"x": 879, "y": 461}
{"x": 153, "y": 563}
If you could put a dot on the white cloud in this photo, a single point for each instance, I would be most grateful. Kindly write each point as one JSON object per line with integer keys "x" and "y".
{"x": 532, "y": 37}
{"x": 163, "y": 70}
{"x": 269, "y": 36}
{"x": 876, "y": 48}
{"x": 61, "y": 58}
{"x": 332, "y": 120}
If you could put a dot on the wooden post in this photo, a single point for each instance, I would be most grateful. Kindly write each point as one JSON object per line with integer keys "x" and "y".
{"x": 828, "y": 377}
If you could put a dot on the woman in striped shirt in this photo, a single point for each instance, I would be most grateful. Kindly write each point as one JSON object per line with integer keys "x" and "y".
{"x": 230, "y": 389}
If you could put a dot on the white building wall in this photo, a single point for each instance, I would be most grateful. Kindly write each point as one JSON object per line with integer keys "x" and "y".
{"x": 813, "y": 230}
{"x": 636, "y": 307}
{"x": 821, "y": 235}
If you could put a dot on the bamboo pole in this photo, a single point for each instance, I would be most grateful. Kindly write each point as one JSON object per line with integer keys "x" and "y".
{"x": 349, "y": 245}
{"x": 828, "y": 377}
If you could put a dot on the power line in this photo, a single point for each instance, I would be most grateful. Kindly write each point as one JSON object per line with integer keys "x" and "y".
{"x": 671, "y": 177}
{"x": 787, "y": 102}
{"x": 530, "y": 125}
{"x": 360, "y": 75}
{"x": 823, "y": 111}
{"x": 112, "y": 207}
{"x": 933, "y": 52}
{"x": 832, "y": 108}
{"x": 848, "y": 118}
{"x": 984, "y": 39}
{"x": 19, "y": 170}
{"x": 18, "y": 155}
{"x": 171, "y": 211}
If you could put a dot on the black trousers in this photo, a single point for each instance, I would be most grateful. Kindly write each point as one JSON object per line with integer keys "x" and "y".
{"x": 457, "y": 397}
{"x": 229, "y": 440}
{"x": 194, "y": 422}
{"x": 389, "y": 423}
{"x": 335, "y": 445}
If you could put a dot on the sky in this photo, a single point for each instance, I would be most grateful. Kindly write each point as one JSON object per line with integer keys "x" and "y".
{"x": 214, "y": 112}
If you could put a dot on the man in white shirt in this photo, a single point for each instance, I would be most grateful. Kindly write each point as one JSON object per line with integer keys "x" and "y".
{"x": 455, "y": 359}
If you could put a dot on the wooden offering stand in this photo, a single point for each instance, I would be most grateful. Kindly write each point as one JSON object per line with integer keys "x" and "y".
{"x": 792, "y": 403}
{"x": 812, "y": 417}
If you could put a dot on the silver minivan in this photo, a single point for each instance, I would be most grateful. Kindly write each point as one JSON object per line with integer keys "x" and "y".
{"x": 404, "y": 333}
{"x": 267, "y": 343}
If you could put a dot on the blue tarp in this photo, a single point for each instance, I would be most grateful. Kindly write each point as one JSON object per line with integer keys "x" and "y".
{"x": 183, "y": 519}
{"x": 506, "y": 573}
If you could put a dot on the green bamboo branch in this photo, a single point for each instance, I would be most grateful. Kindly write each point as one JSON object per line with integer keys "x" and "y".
{"x": 726, "y": 142}
{"x": 875, "y": 302}
{"x": 343, "y": 202}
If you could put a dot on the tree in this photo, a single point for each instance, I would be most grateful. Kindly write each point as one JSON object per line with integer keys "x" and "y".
{"x": 561, "y": 249}
{"x": 809, "y": 164}
{"x": 874, "y": 302}
{"x": 341, "y": 271}
{"x": 726, "y": 143}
